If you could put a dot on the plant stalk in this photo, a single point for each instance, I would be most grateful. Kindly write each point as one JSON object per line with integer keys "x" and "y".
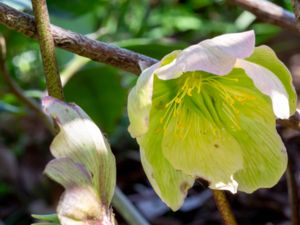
{"x": 121, "y": 203}
{"x": 293, "y": 194}
{"x": 296, "y": 8}
{"x": 46, "y": 41}
{"x": 224, "y": 208}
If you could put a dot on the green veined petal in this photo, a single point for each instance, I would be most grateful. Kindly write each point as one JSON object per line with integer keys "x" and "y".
{"x": 263, "y": 152}
{"x": 140, "y": 98}
{"x": 265, "y": 158}
{"x": 200, "y": 148}
{"x": 170, "y": 184}
{"x": 68, "y": 173}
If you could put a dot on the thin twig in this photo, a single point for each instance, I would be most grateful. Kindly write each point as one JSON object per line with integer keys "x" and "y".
{"x": 296, "y": 8}
{"x": 41, "y": 16}
{"x": 270, "y": 13}
{"x": 126, "y": 209}
{"x": 75, "y": 64}
{"x": 18, "y": 92}
{"x": 224, "y": 207}
{"x": 76, "y": 43}
{"x": 293, "y": 194}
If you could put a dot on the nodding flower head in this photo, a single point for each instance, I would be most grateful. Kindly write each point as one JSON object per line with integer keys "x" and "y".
{"x": 209, "y": 111}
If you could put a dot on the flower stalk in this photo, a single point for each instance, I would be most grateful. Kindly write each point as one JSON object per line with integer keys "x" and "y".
{"x": 224, "y": 208}
{"x": 293, "y": 193}
{"x": 46, "y": 41}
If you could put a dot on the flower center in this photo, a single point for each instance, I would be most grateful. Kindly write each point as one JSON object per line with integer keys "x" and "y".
{"x": 210, "y": 96}
{"x": 190, "y": 83}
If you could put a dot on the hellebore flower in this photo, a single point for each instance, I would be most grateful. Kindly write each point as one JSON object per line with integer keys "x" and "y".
{"x": 83, "y": 164}
{"x": 209, "y": 111}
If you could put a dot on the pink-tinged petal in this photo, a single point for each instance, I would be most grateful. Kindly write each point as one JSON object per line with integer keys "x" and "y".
{"x": 216, "y": 56}
{"x": 82, "y": 141}
{"x": 269, "y": 84}
{"x": 62, "y": 112}
{"x": 80, "y": 205}
{"x": 68, "y": 173}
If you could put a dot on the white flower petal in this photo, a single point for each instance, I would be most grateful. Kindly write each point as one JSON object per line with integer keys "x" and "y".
{"x": 217, "y": 55}
{"x": 269, "y": 84}
{"x": 231, "y": 186}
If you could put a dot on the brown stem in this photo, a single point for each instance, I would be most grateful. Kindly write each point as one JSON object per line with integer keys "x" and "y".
{"x": 293, "y": 194}
{"x": 45, "y": 38}
{"x": 270, "y": 13}
{"x": 17, "y": 91}
{"x": 296, "y": 8}
{"x": 224, "y": 207}
{"x": 76, "y": 43}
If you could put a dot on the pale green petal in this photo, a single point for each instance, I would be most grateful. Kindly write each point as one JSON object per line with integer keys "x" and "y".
{"x": 82, "y": 141}
{"x": 67, "y": 173}
{"x": 171, "y": 185}
{"x": 265, "y": 56}
{"x": 198, "y": 147}
{"x": 139, "y": 103}
{"x": 265, "y": 158}
{"x": 140, "y": 98}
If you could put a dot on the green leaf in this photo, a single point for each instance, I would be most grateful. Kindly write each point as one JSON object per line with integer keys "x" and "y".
{"x": 99, "y": 92}
{"x": 48, "y": 219}
{"x": 45, "y": 223}
{"x": 77, "y": 7}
